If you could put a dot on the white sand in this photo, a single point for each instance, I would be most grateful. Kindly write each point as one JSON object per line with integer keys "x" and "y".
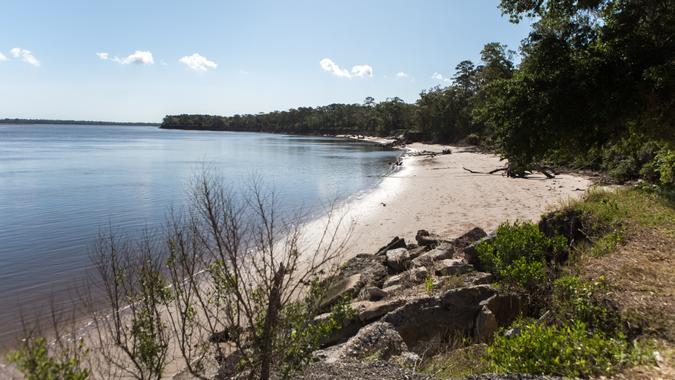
{"x": 436, "y": 194}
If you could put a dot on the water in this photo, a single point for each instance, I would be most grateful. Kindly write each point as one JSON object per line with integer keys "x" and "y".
{"x": 60, "y": 184}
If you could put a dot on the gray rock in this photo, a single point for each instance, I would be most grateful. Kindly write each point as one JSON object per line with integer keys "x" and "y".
{"x": 442, "y": 252}
{"x": 348, "y": 286}
{"x": 506, "y": 307}
{"x": 397, "y": 279}
{"x": 480, "y": 278}
{"x": 368, "y": 311}
{"x": 469, "y": 237}
{"x": 348, "y": 329}
{"x": 372, "y": 268}
{"x": 427, "y": 239}
{"x": 471, "y": 254}
{"x": 398, "y": 259}
{"x": 485, "y": 325}
{"x": 372, "y": 293}
{"x": 392, "y": 290}
{"x": 468, "y": 298}
{"x": 418, "y": 275}
{"x": 451, "y": 267}
{"x": 397, "y": 242}
{"x": 378, "y": 339}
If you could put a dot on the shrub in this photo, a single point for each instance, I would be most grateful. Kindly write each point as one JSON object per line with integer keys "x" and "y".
{"x": 661, "y": 170}
{"x": 36, "y": 363}
{"x": 575, "y": 299}
{"x": 518, "y": 254}
{"x": 569, "y": 350}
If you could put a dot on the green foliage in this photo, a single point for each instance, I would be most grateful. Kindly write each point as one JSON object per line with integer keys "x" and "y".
{"x": 574, "y": 299}
{"x": 429, "y": 284}
{"x": 519, "y": 253}
{"x": 300, "y": 332}
{"x": 35, "y": 361}
{"x": 661, "y": 169}
{"x": 569, "y": 349}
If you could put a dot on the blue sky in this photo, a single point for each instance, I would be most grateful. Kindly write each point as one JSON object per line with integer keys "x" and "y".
{"x": 227, "y": 57}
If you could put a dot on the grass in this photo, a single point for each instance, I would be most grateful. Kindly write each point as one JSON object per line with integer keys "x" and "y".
{"x": 627, "y": 264}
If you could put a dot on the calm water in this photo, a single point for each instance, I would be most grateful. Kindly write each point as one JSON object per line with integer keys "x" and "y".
{"x": 60, "y": 184}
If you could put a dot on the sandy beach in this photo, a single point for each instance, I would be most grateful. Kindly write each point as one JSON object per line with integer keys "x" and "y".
{"x": 437, "y": 194}
{"x": 433, "y": 193}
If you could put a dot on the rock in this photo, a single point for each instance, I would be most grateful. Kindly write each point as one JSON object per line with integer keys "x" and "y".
{"x": 392, "y": 290}
{"x": 372, "y": 293}
{"x": 422, "y": 322}
{"x": 427, "y": 239}
{"x": 469, "y": 237}
{"x": 407, "y": 359}
{"x": 378, "y": 339}
{"x": 368, "y": 311}
{"x": 371, "y": 267}
{"x": 397, "y": 242}
{"x": 442, "y": 252}
{"x": 485, "y": 325}
{"x": 357, "y": 370}
{"x": 418, "y": 275}
{"x": 468, "y": 298}
{"x": 470, "y": 253}
{"x": 506, "y": 307}
{"x": 452, "y": 267}
{"x": 348, "y": 329}
{"x": 398, "y": 259}
{"x": 397, "y": 279}
{"x": 480, "y": 278}
{"x": 348, "y": 286}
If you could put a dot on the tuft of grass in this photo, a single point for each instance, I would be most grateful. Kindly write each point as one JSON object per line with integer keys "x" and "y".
{"x": 456, "y": 363}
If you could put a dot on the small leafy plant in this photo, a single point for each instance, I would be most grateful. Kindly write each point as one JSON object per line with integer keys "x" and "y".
{"x": 35, "y": 361}
{"x": 519, "y": 253}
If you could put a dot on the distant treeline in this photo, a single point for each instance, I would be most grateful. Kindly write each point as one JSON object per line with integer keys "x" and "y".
{"x": 593, "y": 89}
{"x": 74, "y": 122}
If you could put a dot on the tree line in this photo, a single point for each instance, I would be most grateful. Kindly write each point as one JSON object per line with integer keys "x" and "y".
{"x": 593, "y": 89}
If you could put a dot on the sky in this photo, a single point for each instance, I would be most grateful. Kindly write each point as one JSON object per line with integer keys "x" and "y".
{"x": 133, "y": 60}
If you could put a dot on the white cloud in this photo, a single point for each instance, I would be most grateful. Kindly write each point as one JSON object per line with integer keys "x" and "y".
{"x": 328, "y": 65}
{"x": 362, "y": 71}
{"x": 103, "y": 55}
{"x": 25, "y": 56}
{"x": 2, "y": 57}
{"x": 441, "y": 78}
{"x": 198, "y": 62}
{"x": 401, "y": 74}
{"x": 138, "y": 57}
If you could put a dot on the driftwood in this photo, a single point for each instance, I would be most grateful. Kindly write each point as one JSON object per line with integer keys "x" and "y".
{"x": 545, "y": 170}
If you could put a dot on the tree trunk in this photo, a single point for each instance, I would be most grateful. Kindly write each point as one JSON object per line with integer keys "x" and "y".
{"x": 270, "y": 321}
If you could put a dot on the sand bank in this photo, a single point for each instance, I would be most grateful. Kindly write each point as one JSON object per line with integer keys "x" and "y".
{"x": 437, "y": 194}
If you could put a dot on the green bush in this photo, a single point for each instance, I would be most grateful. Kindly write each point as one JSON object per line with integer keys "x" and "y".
{"x": 34, "y": 360}
{"x": 661, "y": 170}
{"x": 518, "y": 254}
{"x": 570, "y": 350}
{"x": 575, "y": 299}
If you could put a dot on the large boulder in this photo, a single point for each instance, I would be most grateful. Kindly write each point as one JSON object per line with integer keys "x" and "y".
{"x": 471, "y": 254}
{"x": 344, "y": 287}
{"x": 427, "y": 239}
{"x": 378, "y": 339}
{"x": 368, "y": 311}
{"x": 426, "y": 321}
{"x": 506, "y": 307}
{"x": 452, "y": 267}
{"x": 348, "y": 329}
{"x": 398, "y": 260}
{"x": 469, "y": 237}
{"x": 373, "y": 269}
{"x": 442, "y": 252}
{"x": 467, "y": 299}
{"x": 485, "y": 325}
{"x": 372, "y": 293}
{"x": 397, "y": 242}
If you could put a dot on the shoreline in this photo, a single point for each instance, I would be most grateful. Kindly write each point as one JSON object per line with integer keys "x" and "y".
{"x": 435, "y": 193}
{"x": 432, "y": 193}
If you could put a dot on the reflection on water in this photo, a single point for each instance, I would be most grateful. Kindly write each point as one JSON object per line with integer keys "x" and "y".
{"x": 60, "y": 184}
